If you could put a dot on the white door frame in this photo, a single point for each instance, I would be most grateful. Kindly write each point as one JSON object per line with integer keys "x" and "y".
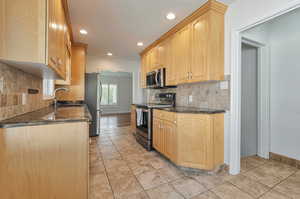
{"x": 263, "y": 96}
{"x": 235, "y": 103}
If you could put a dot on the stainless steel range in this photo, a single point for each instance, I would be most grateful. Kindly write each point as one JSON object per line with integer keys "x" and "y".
{"x": 144, "y": 120}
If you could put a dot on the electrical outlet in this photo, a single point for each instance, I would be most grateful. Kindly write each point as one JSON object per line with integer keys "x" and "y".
{"x": 1, "y": 85}
{"x": 24, "y": 98}
{"x": 190, "y": 99}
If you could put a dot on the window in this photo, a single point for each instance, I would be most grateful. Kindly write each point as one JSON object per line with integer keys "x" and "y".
{"x": 109, "y": 94}
{"x": 48, "y": 88}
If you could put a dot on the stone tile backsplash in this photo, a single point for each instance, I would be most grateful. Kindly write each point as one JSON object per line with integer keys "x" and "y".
{"x": 204, "y": 95}
{"x": 14, "y": 84}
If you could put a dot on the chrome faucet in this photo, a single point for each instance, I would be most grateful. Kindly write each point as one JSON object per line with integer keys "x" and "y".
{"x": 55, "y": 91}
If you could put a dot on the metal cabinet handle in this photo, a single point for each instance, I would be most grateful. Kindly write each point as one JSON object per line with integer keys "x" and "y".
{"x": 191, "y": 76}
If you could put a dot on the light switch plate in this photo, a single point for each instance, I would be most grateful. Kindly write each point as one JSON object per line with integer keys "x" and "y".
{"x": 224, "y": 85}
{"x": 190, "y": 99}
{"x": 24, "y": 99}
{"x": 1, "y": 85}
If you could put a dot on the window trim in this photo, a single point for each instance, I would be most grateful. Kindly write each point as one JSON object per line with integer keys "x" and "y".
{"x": 108, "y": 89}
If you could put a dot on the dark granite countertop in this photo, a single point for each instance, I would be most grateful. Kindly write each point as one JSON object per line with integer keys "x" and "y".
{"x": 63, "y": 114}
{"x": 180, "y": 109}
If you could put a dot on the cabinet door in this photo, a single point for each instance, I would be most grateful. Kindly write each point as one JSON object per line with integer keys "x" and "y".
{"x": 68, "y": 69}
{"x": 143, "y": 71}
{"x": 171, "y": 79}
{"x": 61, "y": 45}
{"x": 195, "y": 147}
{"x": 200, "y": 30}
{"x": 156, "y": 134}
{"x": 23, "y": 30}
{"x": 52, "y": 34}
{"x": 170, "y": 140}
{"x": 183, "y": 54}
{"x": 133, "y": 119}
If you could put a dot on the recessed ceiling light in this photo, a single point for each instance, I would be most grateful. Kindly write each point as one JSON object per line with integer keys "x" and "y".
{"x": 83, "y": 32}
{"x": 170, "y": 16}
{"x": 140, "y": 44}
{"x": 109, "y": 54}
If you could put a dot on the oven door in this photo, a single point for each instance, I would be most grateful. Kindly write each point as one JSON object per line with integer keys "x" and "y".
{"x": 152, "y": 79}
{"x": 143, "y": 123}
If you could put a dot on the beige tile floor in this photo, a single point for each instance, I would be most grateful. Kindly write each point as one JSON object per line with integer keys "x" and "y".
{"x": 120, "y": 168}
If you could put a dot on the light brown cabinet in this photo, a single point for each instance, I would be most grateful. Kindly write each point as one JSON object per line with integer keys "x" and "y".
{"x": 32, "y": 35}
{"x": 144, "y": 71}
{"x": 190, "y": 140}
{"x": 193, "y": 50}
{"x": 46, "y": 161}
{"x": 164, "y": 134}
{"x": 133, "y": 118}
{"x": 77, "y": 87}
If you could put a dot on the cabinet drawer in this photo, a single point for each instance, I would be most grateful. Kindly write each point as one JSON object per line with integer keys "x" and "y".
{"x": 164, "y": 115}
{"x": 158, "y": 114}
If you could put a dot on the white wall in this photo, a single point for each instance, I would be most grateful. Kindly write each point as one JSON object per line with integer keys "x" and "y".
{"x": 242, "y": 14}
{"x": 124, "y": 97}
{"x": 96, "y": 64}
{"x": 285, "y": 96}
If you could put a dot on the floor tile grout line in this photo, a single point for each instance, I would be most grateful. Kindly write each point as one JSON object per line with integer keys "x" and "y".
{"x": 106, "y": 174}
{"x": 278, "y": 184}
{"x": 131, "y": 170}
{"x": 152, "y": 187}
{"x": 241, "y": 189}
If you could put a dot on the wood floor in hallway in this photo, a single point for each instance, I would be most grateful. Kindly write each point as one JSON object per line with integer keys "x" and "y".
{"x": 121, "y": 169}
{"x": 114, "y": 120}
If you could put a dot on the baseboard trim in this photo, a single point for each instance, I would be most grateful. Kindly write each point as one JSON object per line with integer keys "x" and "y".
{"x": 280, "y": 158}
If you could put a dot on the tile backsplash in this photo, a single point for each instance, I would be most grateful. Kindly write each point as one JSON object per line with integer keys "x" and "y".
{"x": 14, "y": 85}
{"x": 202, "y": 95}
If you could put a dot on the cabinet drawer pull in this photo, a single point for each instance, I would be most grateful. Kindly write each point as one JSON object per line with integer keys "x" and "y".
{"x": 59, "y": 61}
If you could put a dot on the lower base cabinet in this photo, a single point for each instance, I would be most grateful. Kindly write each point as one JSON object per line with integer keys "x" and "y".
{"x": 44, "y": 162}
{"x": 190, "y": 140}
{"x": 133, "y": 118}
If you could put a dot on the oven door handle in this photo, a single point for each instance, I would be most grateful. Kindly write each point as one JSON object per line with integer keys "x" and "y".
{"x": 156, "y": 78}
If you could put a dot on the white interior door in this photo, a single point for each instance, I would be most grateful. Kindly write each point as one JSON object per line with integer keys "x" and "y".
{"x": 249, "y": 122}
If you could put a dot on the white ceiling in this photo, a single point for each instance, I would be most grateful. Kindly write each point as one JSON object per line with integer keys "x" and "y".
{"x": 117, "y": 25}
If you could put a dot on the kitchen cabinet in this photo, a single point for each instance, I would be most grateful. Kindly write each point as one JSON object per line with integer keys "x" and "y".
{"x": 207, "y": 48}
{"x": 143, "y": 72}
{"x": 45, "y": 161}
{"x": 68, "y": 66}
{"x": 190, "y": 140}
{"x": 77, "y": 87}
{"x": 164, "y": 134}
{"x": 193, "y": 50}
{"x": 182, "y": 54}
{"x": 133, "y": 119}
{"x": 32, "y": 36}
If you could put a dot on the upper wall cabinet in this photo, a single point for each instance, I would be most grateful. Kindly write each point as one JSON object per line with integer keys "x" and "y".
{"x": 33, "y": 36}
{"x": 193, "y": 50}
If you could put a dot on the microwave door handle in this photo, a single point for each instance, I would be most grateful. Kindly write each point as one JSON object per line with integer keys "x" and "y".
{"x": 156, "y": 78}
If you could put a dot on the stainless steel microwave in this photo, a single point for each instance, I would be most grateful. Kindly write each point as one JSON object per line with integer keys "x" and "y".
{"x": 156, "y": 78}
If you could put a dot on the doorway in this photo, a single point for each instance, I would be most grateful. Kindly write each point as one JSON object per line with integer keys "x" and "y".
{"x": 116, "y": 99}
{"x": 249, "y": 100}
